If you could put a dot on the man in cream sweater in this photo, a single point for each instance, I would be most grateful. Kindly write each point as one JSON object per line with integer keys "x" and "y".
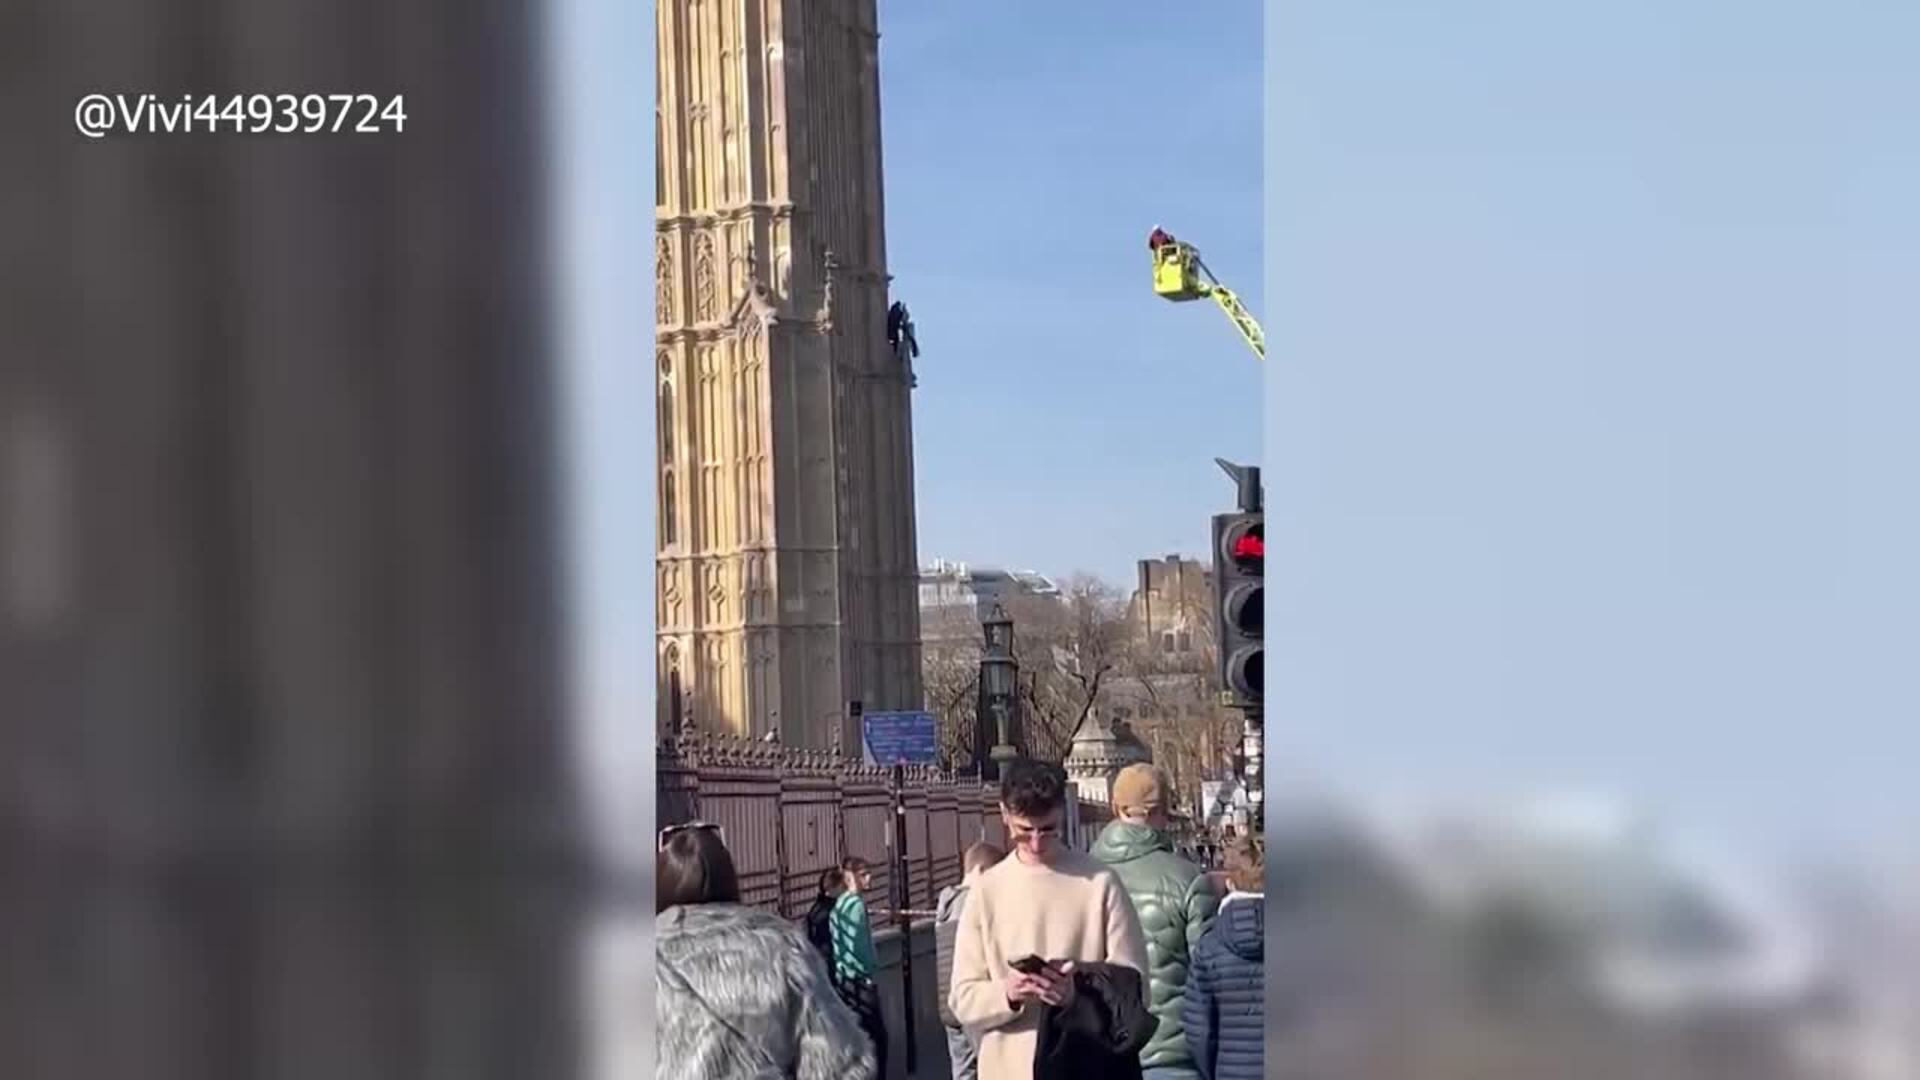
{"x": 1045, "y": 901}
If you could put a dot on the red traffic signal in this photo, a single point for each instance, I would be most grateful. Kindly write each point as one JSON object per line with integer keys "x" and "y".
{"x": 1245, "y": 545}
{"x": 1250, "y": 548}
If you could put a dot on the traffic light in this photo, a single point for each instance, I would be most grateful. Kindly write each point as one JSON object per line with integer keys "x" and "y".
{"x": 1240, "y": 606}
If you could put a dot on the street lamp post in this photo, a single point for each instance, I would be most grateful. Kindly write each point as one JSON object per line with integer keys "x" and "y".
{"x": 997, "y": 737}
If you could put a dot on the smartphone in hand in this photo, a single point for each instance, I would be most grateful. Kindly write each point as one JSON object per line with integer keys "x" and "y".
{"x": 1030, "y": 965}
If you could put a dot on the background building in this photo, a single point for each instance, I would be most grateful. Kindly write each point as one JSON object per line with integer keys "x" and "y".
{"x": 1172, "y": 606}
{"x": 1169, "y": 692}
{"x": 786, "y": 550}
{"x": 954, "y": 597}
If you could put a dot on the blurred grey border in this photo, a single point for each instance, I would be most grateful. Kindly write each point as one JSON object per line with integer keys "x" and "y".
{"x": 605, "y": 88}
{"x": 310, "y": 583}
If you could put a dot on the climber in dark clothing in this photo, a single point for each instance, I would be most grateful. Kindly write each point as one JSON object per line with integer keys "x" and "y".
{"x": 900, "y": 330}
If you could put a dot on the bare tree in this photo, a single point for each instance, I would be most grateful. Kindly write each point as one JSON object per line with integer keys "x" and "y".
{"x": 1077, "y": 651}
{"x": 1191, "y": 734}
{"x": 1068, "y": 648}
{"x": 950, "y": 670}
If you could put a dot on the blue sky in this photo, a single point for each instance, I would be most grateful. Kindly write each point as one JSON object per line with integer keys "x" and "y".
{"x": 1067, "y": 418}
{"x": 603, "y": 156}
{"x": 1591, "y": 437}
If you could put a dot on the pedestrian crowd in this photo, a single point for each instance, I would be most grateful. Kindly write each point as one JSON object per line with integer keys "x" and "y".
{"x": 1128, "y": 961}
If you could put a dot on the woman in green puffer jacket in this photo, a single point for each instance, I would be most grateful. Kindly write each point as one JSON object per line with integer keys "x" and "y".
{"x": 1175, "y": 899}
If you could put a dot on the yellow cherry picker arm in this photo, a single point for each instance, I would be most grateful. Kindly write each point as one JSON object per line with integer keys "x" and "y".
{"x": 1179, "y": 275}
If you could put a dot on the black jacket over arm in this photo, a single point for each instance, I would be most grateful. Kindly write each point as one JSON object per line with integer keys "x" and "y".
{"x": 1099, "y": 1034}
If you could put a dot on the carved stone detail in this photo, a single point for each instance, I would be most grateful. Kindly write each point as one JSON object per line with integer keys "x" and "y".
{"x": 672, "y": 599}
{"x": 756, "y": 586}
{"x": 716, "y": 594}
{"x": 829, "y": 267}
{"x": 705, "y": 282}
{"x": 662, "y": 281}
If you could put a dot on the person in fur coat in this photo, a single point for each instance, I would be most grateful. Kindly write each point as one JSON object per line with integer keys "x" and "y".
{"x": 741, "y": 993}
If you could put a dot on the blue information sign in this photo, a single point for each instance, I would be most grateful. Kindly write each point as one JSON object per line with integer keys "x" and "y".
{"x": 900, "y": 738}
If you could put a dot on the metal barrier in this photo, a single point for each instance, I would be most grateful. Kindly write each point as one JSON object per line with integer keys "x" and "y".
{"x": 790, "y": 814}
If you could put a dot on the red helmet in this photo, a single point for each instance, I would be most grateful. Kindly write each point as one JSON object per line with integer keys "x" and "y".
{"x": 1159, "y": 238}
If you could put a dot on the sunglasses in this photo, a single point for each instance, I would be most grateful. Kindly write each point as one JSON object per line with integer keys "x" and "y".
{"x": 667, "y": 834}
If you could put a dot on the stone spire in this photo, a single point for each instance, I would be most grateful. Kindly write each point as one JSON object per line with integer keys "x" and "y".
{"x": 1097, "y": 755}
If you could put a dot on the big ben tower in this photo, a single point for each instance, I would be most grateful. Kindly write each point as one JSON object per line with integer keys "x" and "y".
{"x": 788, "y": 573}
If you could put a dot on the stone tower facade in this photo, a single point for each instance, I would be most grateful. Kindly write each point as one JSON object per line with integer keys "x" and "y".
{"x": 786, "y": 549}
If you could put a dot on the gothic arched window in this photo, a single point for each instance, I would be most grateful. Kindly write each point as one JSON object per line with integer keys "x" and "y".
{"x": 659, "y": 153}
{"x": 675, "y": 704}
{"x": 666, "y": 422}
{"x": 669, "y": 510}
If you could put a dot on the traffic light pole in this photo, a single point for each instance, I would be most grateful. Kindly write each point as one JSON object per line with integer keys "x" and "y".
{"x": 1246, "y": 480}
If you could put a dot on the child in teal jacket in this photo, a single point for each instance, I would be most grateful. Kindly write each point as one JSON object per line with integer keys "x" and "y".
{"x": 854, "y": 959}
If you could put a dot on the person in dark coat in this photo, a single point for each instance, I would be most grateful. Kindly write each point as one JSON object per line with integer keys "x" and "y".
{"x": 819, "y": 920}
{"x": 1226, "y": 998}
{"x": 1099, "y": 1030}
{"x": 900, "y": 332}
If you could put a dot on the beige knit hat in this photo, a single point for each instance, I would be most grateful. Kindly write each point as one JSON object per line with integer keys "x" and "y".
{"x": 1140, "y": 787}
